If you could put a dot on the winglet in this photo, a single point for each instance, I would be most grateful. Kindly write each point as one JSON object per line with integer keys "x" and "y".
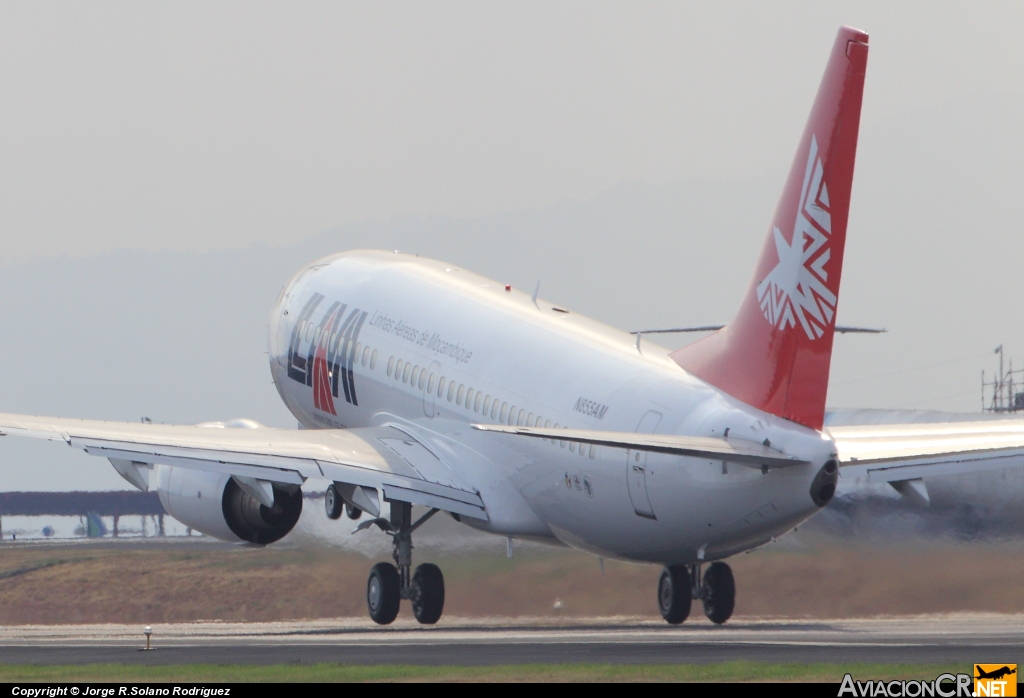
{"x": 775, "y": 355}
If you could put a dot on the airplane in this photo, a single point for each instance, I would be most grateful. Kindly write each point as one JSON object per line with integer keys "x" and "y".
{"x": 995, "y": 674}
{"x": 416, "y": 383}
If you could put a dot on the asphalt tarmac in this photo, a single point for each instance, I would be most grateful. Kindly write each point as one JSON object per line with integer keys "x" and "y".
{"x": 966, "y": 638}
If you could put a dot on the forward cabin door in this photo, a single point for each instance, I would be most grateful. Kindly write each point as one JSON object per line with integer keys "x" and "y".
{"x": 636, "y": 469}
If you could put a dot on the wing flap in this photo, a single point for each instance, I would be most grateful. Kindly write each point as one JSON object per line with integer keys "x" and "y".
{"x": 739, "y": 451}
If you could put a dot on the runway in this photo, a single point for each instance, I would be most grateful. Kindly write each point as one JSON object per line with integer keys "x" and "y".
{"x": 966, "y": 638}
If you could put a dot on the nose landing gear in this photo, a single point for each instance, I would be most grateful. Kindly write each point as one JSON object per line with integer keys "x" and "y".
{"x": 388, "y": 584}
{"x": 680, "y": 585}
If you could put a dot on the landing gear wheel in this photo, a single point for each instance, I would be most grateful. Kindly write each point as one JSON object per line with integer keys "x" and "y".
{"x": 674, "y": 596}
{"x": 333, "y": 502}
{"x": 383, "y": 593}
{"x": 352, "y": 512}
{"x": 718, "y": 592}
{"x": 427, "y": 593}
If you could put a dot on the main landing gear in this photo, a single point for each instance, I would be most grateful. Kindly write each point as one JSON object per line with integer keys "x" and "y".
{"x": 680, "y": 585}
{"x": 389, "y": 584}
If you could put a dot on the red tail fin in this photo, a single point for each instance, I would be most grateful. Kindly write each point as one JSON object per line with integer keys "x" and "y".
{"x": 775, "y": 354}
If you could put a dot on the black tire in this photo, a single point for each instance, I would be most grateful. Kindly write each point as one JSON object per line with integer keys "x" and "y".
{"x": 428, "y": 593}
{"x": 352, "y": 512}
{"x": 674, "y": 596}
{"x": 718, "y": 592}
{"x": 383, "y": 593}
{"x": 333, "y": 502}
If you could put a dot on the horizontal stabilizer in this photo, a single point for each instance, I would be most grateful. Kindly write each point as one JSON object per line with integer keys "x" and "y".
{"x": 739, "y": 451}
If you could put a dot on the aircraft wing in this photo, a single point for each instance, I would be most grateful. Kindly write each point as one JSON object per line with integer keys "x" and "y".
{"x": 905, "y": 452}
{"x": 740, "y": 451}
{"x": 384, "y": 458}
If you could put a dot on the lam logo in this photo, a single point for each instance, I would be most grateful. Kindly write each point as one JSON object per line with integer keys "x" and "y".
{"x": 329, "y": 353}
{"x": 795, "y": 291}
{"x": 995, "y": 680}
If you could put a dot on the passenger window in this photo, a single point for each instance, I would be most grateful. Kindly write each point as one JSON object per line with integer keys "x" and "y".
{"x": 572, "y": 447}
{"x": 469, "y": 398}
{"x": 487, "y": 406}
{"x": 461, "y": 394}
{"x": 359, "y": 348}
{"x": 405, "y": 374}
{"x": 309, "y": 331}
{"x": 398, "y": 370}
{"x": 440, "y": 387}
{"x": 504, "y": 410}
{"x": 583, "y": 449}
{"x": 391, "y": 366}
{"x": 529, "y": 420}
{"x": 432, "y": 382}
{"x": 593, "y": 451}
{"x": 373, "y": 360}
{"x": 366, "y": 355}
{"x": 423, "y": 379}
{"x": 512, "y": 416}
{"x": 547, "y": 424}
{"x": 522, "y": 418}
{"x": 415, "y": 375}
{"x": 451, "y": 391}
{"x": 316, "y": 335}
{"x": 476, "y": 404}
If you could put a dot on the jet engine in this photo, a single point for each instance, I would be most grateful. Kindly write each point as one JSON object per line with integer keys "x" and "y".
{"x": 217, "y": 505}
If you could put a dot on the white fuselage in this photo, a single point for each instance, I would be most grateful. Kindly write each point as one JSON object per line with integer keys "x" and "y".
{"x": 398, "y": 325}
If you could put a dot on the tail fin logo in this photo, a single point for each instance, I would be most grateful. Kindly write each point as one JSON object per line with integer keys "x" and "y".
{"x": 795, "y": 290}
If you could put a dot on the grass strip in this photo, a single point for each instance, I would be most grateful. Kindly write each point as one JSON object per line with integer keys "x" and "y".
{"x": 231, "y": 673}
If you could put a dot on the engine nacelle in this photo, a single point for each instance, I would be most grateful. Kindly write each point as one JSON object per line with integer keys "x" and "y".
{"x": 214, "y": 504}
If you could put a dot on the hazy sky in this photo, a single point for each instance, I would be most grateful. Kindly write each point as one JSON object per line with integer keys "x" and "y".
{"x": 165, "y": 168}
{"x": 198, "y": 125}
